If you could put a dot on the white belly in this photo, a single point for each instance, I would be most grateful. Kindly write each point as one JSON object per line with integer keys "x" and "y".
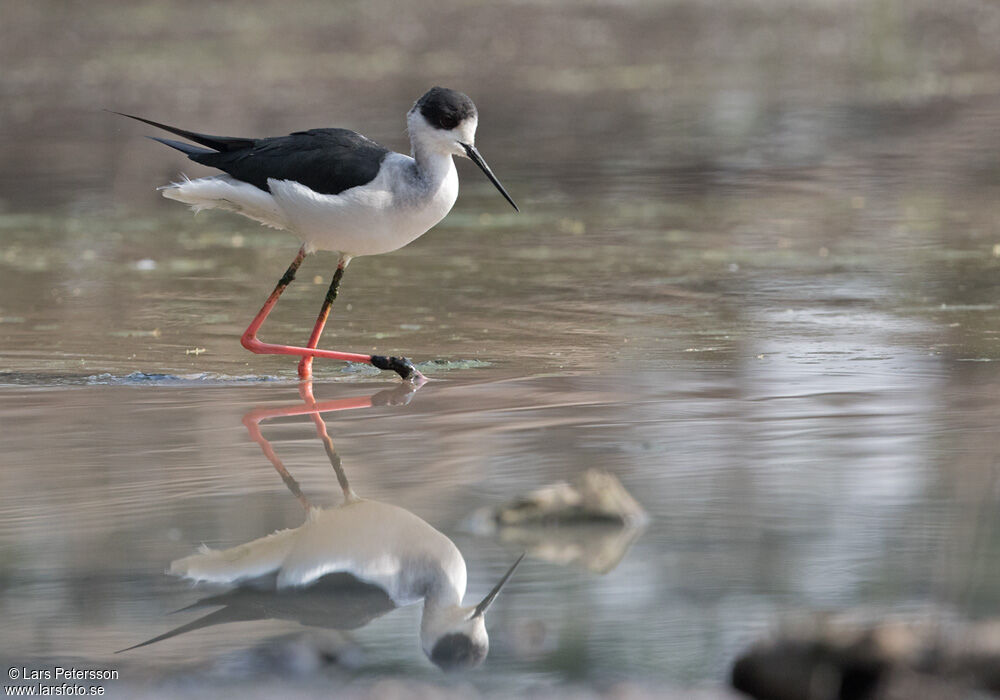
{"x": 383, "y": 215}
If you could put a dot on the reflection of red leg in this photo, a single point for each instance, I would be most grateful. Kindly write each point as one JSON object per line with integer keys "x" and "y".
{"x": 253, "y": 427}
{"x": 253, "y": 419}
{"x": 305, "y": 364}
{"x": 309, "y": 406}
{"x": 260, "y": 415}
{"x": 305, "y": 391}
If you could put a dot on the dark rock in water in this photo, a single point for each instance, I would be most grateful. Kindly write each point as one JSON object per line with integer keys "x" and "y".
{"x": 786, "y": 670}
{"x": 836, "y": 660}
{"x": 592, "y": 522}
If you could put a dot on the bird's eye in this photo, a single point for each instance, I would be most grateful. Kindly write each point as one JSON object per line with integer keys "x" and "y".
{"x": 447, "y": 121}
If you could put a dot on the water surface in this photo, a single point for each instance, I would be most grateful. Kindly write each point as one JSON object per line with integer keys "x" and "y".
{"x": 755, "y": 277}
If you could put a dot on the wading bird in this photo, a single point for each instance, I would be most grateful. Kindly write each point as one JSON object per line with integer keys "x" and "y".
{"x": 339, "y": 191}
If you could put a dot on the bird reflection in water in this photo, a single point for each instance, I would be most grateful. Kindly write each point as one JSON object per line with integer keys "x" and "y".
{"x": 345, "y": 565}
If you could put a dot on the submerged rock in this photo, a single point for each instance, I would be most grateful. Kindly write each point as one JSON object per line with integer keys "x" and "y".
{"x": 597, "y": 547}
{"x": 841, "y": 660}
{"x": 591, "y": 522}
{"x": 594, "y": 496}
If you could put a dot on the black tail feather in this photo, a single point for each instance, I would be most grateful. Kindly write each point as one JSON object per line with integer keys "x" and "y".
{"x": 182, "y": 147}
{"x": 222, "y": 144}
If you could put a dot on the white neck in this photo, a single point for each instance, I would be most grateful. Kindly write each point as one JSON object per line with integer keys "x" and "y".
{"x": 433, "y": 166}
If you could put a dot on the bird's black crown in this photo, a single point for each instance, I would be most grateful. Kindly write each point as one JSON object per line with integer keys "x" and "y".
{"x": 444, "y": 108}
{"x": 457, "y": 650}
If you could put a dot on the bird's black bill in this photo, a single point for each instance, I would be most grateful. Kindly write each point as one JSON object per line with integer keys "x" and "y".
{"x": 488, "y": 600}
{"x": 478, "y": 160}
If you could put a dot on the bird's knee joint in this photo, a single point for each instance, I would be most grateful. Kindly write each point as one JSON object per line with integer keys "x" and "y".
{"x": 250, "y": 342}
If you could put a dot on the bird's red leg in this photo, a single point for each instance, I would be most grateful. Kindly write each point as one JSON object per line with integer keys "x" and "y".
{"x": 305, "y": 364}
{"x": 403, "y": 367}
{"x": 249, "y": 339}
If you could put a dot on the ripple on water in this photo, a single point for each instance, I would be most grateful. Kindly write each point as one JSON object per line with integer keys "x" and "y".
{"x": 163, "y": 379}
{"x": 354, "y": 369}
{"x": 131, "y": 379}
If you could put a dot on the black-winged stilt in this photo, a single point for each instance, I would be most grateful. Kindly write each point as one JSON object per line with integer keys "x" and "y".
{"x": 336, "y": 190}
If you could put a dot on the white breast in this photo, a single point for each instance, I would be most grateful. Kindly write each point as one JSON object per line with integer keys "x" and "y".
{"x": 387, "y": 213}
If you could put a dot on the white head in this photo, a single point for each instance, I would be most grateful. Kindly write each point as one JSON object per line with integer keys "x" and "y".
{"x": 443, "y": 122}
{"x": 454, "y": 636}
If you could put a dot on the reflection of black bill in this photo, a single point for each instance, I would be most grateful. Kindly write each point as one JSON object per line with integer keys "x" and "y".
{"x": 478, "y": 160}
{"x": 488, "y": 600}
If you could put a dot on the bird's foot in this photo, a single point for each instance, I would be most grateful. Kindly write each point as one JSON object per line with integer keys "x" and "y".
{"x": 401, "y": 366}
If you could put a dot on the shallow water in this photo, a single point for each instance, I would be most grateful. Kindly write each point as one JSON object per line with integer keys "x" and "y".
{"x": 756, "y": 282}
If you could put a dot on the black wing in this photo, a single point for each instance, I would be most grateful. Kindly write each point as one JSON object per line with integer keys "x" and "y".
{"x": 327, "y": 161}
{"x": 335, "y": 601}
